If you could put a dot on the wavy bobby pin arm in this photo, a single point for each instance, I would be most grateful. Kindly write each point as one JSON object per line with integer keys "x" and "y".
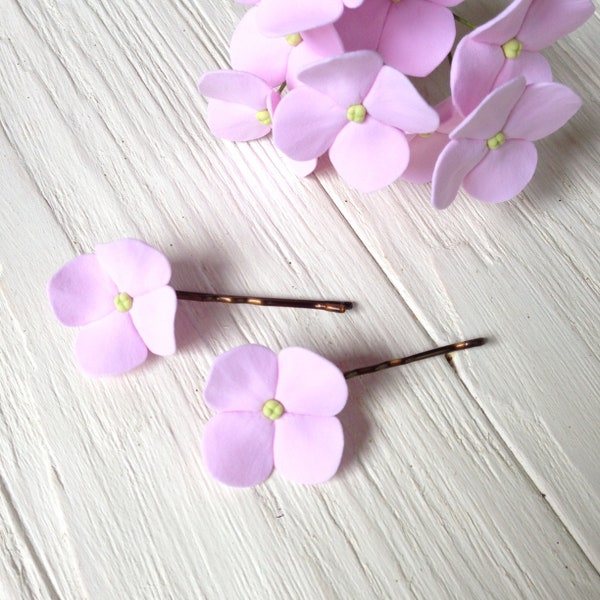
{"x": 328, "y": 305}
{"x": 396, "y": 362}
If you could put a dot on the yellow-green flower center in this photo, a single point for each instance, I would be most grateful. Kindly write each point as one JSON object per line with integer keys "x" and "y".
{"x": 496, "y": 141}
{"x": 356, "y": 113}
{"x": 293, "y": 39}
{"x": 512, "y": 48}
{"x": 264, "y": 117}
{"x": 273, "y": 409}
{"x": 123, "y": 302}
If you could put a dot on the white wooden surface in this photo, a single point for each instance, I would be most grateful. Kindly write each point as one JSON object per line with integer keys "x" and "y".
{"x": 476, "y": 479}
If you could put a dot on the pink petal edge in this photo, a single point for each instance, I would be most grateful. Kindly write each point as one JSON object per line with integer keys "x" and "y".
{"x": 81, "y": 292}
{"x": 134, "y": 266}
{"x": 153, "y": 315}
{"x": 308, "y": 450}
{"x": 238, "y": 448}
{"x": 309, "y": 384}
{"x": 242, "y": 379}
{"x": 110, "y": 346}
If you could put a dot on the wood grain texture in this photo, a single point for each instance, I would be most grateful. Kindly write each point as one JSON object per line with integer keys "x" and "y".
{"x": 476, "y": 478}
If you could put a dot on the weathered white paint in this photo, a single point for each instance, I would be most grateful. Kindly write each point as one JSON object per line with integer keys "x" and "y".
{"x": 473, "y": 480}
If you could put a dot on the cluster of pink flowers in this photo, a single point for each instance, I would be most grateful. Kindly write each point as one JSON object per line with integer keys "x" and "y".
{"x": 332, "y": 76}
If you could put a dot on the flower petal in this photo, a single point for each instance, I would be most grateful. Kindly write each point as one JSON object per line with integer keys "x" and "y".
{"x": 417, "y": 36}
{"x": 236, "y": 87}
{"x": 81, "y": 292}
{"x": 503, "y": 26}
{"x": 235, "y": 122}
{"x": 135, "y": 267}
{"x": 309, "y": 384}
{"x": 475, "y": 67}
{"x": 455, "y": 161}
{"x": 110, "y": 346}
{"x": 242, "y": 379}
{"x": 306, "y": 122}
{"x": 153, "y": 315}
{"x": 542, "y": 109}
{"x": 300, "y": 168}
{"x": 549, "y": 20}
{"x": 394, "y": 100}
{"x": 282, "y": 17}
{"x": 252, "y": 51}
{"x": 424, "y": 152}
{"x": 317, "y": 44}
{"x": 491, "y": 115}
{"x": 308, "y": 449}
{"x": 360, "y": 29}
{"x": 238, "y": 448}
{"x": 369, "y": 155}
{"x": 531, "y": 65}
{"x": 503, "y": 173}
{"x": 347, "y": 78}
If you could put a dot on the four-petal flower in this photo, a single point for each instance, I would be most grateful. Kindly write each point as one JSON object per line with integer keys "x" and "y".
{"x": 120, "y": 298}
{"x": 274, "y": 411}
{"x": 508, "y": 47}
{"x": 491, "y": 153}
{"x": 360, "y": 110}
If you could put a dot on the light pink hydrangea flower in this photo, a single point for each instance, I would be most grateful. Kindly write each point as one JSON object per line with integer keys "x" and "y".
{"x": 274, "y": 411}
{"x": 413, "y": 36}
{"x": 284, "y": 17}
{"x": 359, "y": 110}
{"x": 120, "y": 298}
{"x": 491, "y": 153}
{"x": 241, "y": 105}
{"x": 279, "y": 59}
{"x": 508, "y": 46}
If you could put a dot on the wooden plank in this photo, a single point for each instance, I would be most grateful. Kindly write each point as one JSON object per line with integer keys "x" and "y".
{"x": 103, "y": 491}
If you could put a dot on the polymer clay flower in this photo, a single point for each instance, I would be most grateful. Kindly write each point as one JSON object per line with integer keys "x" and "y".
{"x": 284, "y": 17}
{"x": 120, "y": 298}
{"x": 508, "y": 46}
{"x": 274, "y": 411}
{"x": 413, "y": 36}
{"x": 358, "y": 109}
{"x": 241, "y": 104}
{"x": 491, "y": 153}
{"x": 279, "y": 59}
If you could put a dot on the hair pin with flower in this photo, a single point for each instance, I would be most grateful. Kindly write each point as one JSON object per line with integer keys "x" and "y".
{"x": 278, "y": 411}
{"x": 331, "y": 76}
{"x": 120, "y": 298}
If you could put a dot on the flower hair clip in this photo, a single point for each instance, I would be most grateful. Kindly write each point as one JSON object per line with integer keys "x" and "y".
{"x": 121, "y": 299}
{"x": 279, "y": 411}
{"x": 331, "y": 77}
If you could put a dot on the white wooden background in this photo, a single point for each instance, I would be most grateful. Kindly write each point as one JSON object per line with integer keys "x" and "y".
{"x": 475, "y": 479}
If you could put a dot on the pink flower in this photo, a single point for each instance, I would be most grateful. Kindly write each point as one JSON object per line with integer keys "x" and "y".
{"x": 491, "y": 153}
{"x": 278, "y": 59}
{"x": 284, "y": 17}
{"x": 359, "y": 110}
{"x": 274, "y": 411}
{"x": 120, "y": 299}
{"x": 241, "y": 104}
{"x": 508, "y": 46}
{"x": 413, "y": 36}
